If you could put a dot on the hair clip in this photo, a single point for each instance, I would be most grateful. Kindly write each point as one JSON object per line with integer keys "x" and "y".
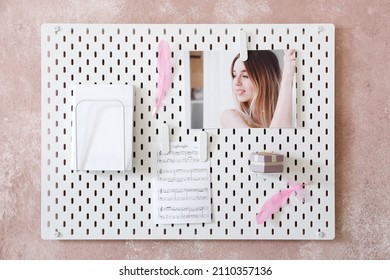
{"x": 243, "y": 46}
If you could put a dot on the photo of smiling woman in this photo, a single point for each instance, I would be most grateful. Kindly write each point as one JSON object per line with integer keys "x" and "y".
{"x": 262, "y": 92}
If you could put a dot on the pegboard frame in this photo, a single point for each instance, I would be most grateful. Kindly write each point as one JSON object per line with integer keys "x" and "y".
{"x": 118, "y": 205}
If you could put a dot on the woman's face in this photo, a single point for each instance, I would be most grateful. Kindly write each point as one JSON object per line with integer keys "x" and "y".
{"x": 242, "y": 85}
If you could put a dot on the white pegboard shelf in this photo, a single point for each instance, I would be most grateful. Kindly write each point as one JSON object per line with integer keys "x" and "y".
{"x": 118, "y": 205}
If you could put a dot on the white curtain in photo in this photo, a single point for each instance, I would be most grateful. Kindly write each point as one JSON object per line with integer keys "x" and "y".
{"x": 217, "y": 87}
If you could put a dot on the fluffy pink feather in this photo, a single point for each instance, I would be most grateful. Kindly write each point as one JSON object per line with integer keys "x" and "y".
{"x": 164, "y": 73}
{"x": 278, "y": 200}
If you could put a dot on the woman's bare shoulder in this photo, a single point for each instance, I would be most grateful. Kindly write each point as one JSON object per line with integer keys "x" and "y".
{"x": 230, "y": 112}
{"x": 231, "y": 118}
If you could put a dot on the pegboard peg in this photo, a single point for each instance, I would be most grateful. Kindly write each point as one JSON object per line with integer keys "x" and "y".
{"x": 243, "y": 46}
{"x": 57, "y": 233}
{"x": 203, "y": 146}
{"x": 320, "y": 29}
{"x": 320, "y": 234}
{"x": 56, "y": 29}
{"x": 266, "y": 176}
{"x": 165, "y": 138}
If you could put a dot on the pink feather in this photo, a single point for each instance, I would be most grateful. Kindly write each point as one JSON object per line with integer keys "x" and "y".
{"x": 164, "y": 73}
{"x": 275, "y": 202}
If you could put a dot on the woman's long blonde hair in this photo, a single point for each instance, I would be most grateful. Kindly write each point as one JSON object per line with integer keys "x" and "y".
{"x": 264, "y": 72}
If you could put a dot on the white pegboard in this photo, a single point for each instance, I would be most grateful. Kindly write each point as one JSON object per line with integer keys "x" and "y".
{"x": 118, "y": 205}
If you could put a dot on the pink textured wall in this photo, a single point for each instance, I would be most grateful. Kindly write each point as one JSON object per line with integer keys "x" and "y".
{"x": 362, "y": 125}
